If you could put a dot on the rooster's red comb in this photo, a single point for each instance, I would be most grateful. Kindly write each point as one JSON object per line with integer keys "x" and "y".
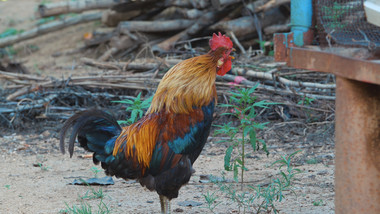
{"x": 220, "y": 41}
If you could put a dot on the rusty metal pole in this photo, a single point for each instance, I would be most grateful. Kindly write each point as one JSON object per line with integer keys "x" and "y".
{"x": 357, "y": 169}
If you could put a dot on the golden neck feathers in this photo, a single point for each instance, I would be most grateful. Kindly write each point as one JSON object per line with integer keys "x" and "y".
{"x": 189, "y": 84}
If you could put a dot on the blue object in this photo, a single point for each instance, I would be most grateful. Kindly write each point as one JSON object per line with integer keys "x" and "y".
{"x": 300, "y": 18}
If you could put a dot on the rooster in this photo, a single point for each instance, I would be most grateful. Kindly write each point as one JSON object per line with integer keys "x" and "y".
{"x": 159, "y": 149}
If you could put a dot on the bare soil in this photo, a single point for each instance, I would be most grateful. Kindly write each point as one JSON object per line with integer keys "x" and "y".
{"x": 34, "y": 175}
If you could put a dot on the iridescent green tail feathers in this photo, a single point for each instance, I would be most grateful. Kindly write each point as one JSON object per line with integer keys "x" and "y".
{"x": 95, "y": 130}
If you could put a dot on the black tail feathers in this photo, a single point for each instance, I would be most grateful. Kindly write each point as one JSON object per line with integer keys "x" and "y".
{"x": 93, "y": 128}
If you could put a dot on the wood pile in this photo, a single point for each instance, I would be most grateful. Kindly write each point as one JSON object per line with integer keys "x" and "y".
{"x": 170, "y": 30}
{"x": 164, "y": 23}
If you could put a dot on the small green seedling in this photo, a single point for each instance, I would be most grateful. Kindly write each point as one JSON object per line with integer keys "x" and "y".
{"x": 137, "y": 108}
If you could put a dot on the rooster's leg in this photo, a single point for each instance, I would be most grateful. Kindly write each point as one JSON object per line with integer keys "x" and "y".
{"x": 165, "y": 204}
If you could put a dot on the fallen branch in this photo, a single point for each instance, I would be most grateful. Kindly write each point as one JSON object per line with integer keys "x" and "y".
{"x": 49, "y": 27}
{"x": 204, "y": 21}
{"x": 117, "y": 44}
{"x": 264, "y": 75}
{"x": 122, "y": 66}
{"x": 231, "y": 78}
{"x": 277, "y": 29}
{"x": 35, "y": 104}
{"x": 53, "y": 9}
{"x": 236, "y": 41}
{"x": 271, "y": 4}
{"x": 155, "y": 26}
{"x": 112, "y": 18}
{"x": 243, "y": 26}
{"x": 22, "y": 91}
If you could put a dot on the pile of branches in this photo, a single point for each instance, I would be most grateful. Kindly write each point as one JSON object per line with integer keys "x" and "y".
{"x": 41, "y": 97}
{"x": 170, "y": 30}
{"x": 130, "y": 25}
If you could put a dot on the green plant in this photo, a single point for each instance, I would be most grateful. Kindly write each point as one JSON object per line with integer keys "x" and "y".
{"x": 85, "y": 208}
{"x": 8, "y": 51}
{"x": 10, "y": 32}
{"x": 45, "y": 20}
{"x": 244, "y": 107}
{"x": 312, "y": 161}
{"x": 38, "y": 70}
{"x": 274, "y": 191}
{"x": 318, "y": 203}
{"x": 7, "y": 186}
{"x": 267, "y": 46}
{"x": 137, "y": 108}
{"x": 211, "y": 201}
{"x": 44, "y": 2}
{"x": 95, "y": 193}
{"x": 262, "y": 198}
{"x": 306, "y": 101}
{"x": 95, "y": 170}
{"x": 43, "y": 168}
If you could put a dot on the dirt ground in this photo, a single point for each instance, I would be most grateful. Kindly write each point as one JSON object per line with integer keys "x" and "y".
{"x": 34, "y": 178}
{"x": 34, "y": 175}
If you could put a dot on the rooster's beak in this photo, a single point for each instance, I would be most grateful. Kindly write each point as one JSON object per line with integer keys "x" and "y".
{"x": 233, "y": 49}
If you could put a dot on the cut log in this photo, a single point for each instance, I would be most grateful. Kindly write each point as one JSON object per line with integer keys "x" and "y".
{"x": 271, "y": 4}
{"x": 203, "y": 22}
{"x": 244, "y": 26}
{"x": 154, "y": 26}
{"x": 112, "y": 18}
{"x": 270, "y": 30}
{"x": 117, "y": 44}
{"x": 201, "y": 4}
{"x": 53, "y": 9}
{"x": 128, "y": 65}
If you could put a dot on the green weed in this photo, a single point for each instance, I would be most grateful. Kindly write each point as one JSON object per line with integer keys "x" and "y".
{"x": 306, "y": 101}
{"x": 137, "y": 107}
{"x": 318, "y": 203}
{"x": 93, "y": 194}
{"x": 43, "y": 168}
{"x": 245, "y": 108}
{"x": 10, "y": 32}
{"x": 262, "y": 198}
{"x": 211, "y": 201}
{"x": 312, "y": 161}
{"x": 8, "y": 51}
{"x": 95, "y": 170}
{"x": 85, "y": 208}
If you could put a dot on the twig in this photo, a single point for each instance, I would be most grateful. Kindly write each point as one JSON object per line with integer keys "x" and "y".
{"x": 236, "y": 41}
{"x": 21, "y": 91}
{"x": 36, "y": 104}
